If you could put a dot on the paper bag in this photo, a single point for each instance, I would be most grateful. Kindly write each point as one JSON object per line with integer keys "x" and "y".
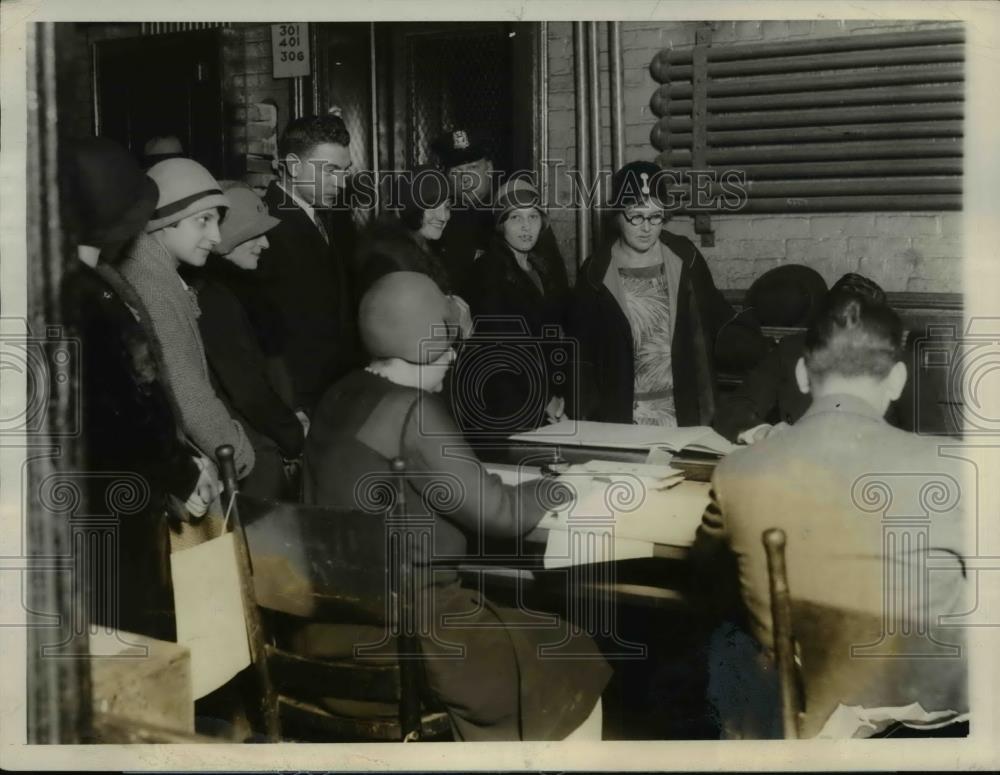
{"x": 209, "y": 610}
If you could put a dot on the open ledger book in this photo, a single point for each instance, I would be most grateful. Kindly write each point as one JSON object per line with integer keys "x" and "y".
{"x": 698, "y": 439}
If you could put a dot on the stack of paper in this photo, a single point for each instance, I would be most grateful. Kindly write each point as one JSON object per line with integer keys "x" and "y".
{"x": 583, "y": 433}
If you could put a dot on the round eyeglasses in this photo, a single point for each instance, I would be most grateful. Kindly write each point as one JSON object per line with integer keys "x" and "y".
{"x": 656, "y": 219}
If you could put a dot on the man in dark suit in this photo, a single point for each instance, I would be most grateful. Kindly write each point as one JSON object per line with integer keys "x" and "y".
{"x": 851, "y": 493}
{"x": 305, "y": 270}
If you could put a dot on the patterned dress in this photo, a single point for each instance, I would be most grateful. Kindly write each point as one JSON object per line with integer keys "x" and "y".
{"x": 647, "y": 306}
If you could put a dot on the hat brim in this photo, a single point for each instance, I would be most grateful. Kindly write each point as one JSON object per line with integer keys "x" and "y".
{"x": 260, "y": 225}
{"x": 454, "y": 157}
{"x": 207, "y": 202}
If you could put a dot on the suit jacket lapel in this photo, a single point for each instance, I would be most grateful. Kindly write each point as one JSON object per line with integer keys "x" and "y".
{"x": 284, "y": 207}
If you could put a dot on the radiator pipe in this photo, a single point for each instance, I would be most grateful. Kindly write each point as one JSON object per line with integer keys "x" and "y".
{"x": 594, "y": 121}
{"x": 617, "y": 95}
{"x": 582, "y": 143}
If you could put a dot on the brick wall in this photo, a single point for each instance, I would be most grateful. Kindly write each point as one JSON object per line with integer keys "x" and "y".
{"x": 247, "y": 83}
{"x": 900, "y": 251}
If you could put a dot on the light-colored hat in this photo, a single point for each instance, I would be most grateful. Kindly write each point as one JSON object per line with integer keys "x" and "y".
{"x": 247, "y": 218}
{"x": 185, "y": 189}
{"x": 405, "y": 315}
{"x": 515, "y": 194}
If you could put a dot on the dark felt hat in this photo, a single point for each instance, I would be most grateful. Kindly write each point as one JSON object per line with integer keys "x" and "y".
{"x": 788, "y": 295}
{"x": 424, "y": 188}
{"x": 458, "y": 147}
{"x": 635, "y": 183}
{"x": 112, "y": 197}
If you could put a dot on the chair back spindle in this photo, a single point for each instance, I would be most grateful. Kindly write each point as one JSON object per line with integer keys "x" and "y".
{"x": 267, "y": 706}
{"x": 404, "y": 605}
{"x": 781, "y": 617}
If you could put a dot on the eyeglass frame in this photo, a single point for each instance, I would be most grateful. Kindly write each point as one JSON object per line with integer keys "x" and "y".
{"x": 638, "y": 219}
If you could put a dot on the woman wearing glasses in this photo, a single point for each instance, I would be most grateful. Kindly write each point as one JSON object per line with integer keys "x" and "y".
{"x": 649, "y": 322}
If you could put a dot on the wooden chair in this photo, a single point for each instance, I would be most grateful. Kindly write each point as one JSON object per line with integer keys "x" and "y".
{"x": 309, "y": 565}
{"x": 828, "y": 656}
{"x": 781, "y": 627}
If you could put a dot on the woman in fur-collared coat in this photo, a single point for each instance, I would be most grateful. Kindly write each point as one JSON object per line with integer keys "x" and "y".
{"x": 140, "y": 469}
{"x": 651, "y": 326}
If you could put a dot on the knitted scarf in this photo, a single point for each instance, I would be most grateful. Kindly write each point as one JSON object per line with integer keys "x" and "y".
{"x": 172, "y": 324}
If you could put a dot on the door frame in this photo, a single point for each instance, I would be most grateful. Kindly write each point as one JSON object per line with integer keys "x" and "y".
{"x": 212, "y": 36}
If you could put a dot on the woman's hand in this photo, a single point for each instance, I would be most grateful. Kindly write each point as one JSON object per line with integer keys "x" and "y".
{"x": 761, "y": 432}
{"x": 555, "y": 410}
{"x": 206, "y": 490}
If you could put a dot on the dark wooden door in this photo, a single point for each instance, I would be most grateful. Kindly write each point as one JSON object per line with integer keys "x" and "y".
{"x": 164, "y": 85}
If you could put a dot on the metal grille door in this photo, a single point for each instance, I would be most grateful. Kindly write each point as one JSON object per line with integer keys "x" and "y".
{"x": 460, "y": 79}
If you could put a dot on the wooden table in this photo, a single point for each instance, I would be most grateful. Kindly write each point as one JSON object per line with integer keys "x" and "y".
{"x": 654, "y": 582}
{"x": 528, "y": 454}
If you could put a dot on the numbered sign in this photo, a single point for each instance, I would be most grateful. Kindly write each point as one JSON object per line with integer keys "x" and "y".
{"x": 290, "y": 50}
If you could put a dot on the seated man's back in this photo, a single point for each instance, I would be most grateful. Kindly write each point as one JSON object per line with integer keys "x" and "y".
{"x": 839, "y": 483}
{"x": 867, "y": 510}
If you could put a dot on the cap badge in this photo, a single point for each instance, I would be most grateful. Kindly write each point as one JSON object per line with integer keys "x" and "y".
{"x": 460, "y": 140}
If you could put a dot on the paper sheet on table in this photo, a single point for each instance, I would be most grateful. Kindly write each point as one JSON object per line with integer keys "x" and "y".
{"x": 654, "y": 516}
{"x": 209, "y": 611}
{"x": 627, "y": 436}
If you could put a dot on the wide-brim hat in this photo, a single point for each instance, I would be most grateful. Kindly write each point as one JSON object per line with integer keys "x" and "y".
{"x": 458, "y": 147}
{"x": 112, "y": 197}
{"x": 185, "y": 189}
{"x": 246, "y": 218}
{"x": 788, "y": 295}
{"x": 405, "y": 315}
